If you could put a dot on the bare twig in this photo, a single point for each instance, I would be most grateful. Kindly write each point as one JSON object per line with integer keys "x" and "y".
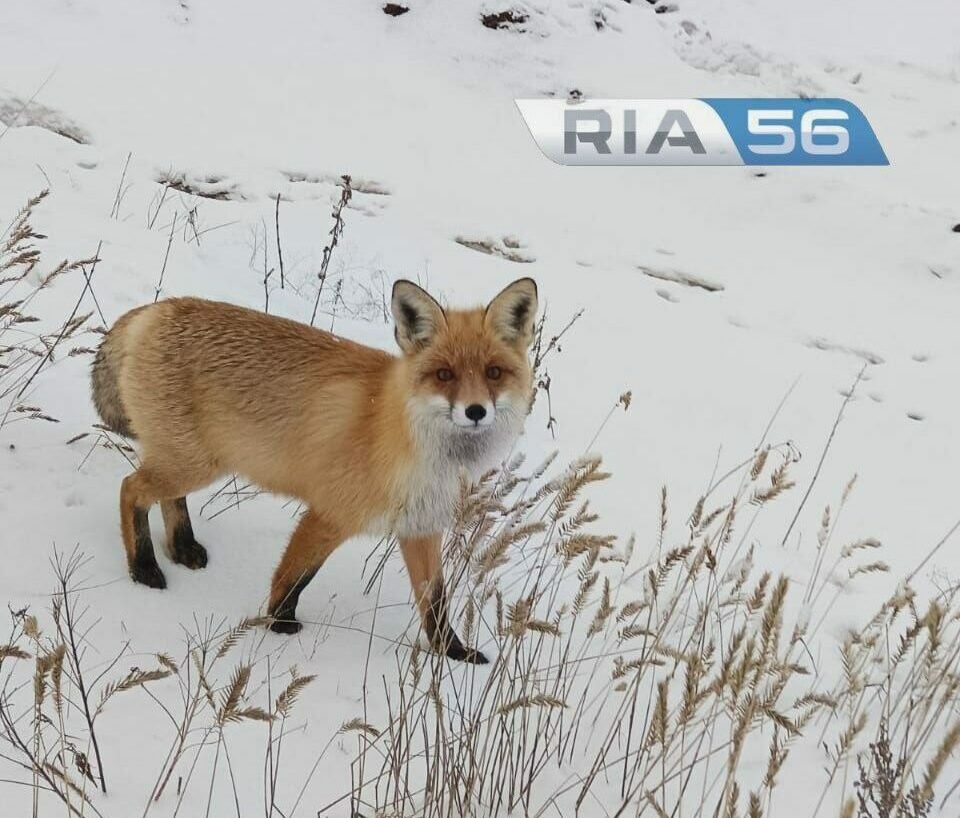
{"x": 166, "y": 257}
{"x": 279, "y": 248}
{"x": 121, "y": 191}
{"x": 823, "y": 455}
{"x": 335, "y": 232}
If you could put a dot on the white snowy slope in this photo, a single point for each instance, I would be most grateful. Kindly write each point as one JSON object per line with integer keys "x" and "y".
{"x": 820, "y": 271}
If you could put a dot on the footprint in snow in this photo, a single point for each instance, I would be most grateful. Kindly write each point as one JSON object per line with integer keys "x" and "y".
{"x": 290, "y": 187}
{"x": 831, "y": 346}
{"x": 20, "y": 113}
{"x": 368, "y": 195}
{"x": 918, "y": 416}
{"x": 358, "y": 184}
{"x": 206, "y": 186}
{"x": 680, "y": 277}
{"x": 507, "y": 247}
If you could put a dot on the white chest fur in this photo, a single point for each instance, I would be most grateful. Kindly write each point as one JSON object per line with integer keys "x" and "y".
{"x": 429, "y": 497}
{"x": 444, "y": 456}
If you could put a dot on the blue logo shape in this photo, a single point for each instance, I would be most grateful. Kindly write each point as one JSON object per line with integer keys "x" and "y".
{"x": 799, "y": 131}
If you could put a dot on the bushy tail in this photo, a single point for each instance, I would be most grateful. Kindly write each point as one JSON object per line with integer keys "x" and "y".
{"x": 104, "y": 381}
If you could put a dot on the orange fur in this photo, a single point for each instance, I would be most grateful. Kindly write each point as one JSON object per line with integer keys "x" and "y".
{"x": 368, "y": 441}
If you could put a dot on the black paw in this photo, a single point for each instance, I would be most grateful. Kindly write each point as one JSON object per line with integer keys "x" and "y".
{"x": 191, "y": 555}
{"x": 148, "y": 573}
{"x": 454, "y": 649}
{"x": 469, "y": 655}
{"x": 286, "y": 625}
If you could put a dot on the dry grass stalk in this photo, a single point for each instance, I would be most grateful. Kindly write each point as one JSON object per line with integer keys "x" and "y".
{"x": 651, "y": 702}
{"x": 642, "y": 697}
{"x": 631, "y": 698}
{"x": 27, "y": 345}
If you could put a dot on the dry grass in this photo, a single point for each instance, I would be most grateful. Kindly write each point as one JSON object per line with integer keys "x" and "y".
{"x": 672, "y": 679}
{"x": 661, "y": 675}
{"x": 25, "y": 350}
{"x": 663, "y": 698}
{"x": 48, "y": 721}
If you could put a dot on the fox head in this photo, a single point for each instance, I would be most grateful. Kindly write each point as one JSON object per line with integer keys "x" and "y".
{"x": 468, "y": 371}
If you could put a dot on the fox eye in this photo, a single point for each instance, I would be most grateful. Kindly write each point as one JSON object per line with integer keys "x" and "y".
{"x": 493, "y": 373}
{"x": 444, "y": 374}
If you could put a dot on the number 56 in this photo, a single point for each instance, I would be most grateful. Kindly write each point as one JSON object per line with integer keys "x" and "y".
{"x": 773, "y": 122}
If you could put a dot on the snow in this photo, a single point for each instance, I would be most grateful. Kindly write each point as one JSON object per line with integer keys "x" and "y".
{"x": 813, "y": 273}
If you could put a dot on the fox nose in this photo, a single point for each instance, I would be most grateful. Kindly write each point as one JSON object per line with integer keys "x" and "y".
{"x": 475, "y": 412}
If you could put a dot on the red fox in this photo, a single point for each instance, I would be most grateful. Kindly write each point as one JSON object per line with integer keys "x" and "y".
{"x": 370, "y": 442}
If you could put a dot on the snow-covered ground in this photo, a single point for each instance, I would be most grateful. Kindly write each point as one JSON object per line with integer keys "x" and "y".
{"x": 820, "y": 271}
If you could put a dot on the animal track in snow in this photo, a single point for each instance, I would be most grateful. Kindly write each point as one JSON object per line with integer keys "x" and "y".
{"x": 357, "y": 183}
{"x": 918, "y": 416}
{"x": 666, "y": 295}
{"x": 699, "y": 49}
{"x": 291, "y": 186}
{"x": 18, "y": 113}
{"x": 680, "y": 277}
{"x": 508, "y": 247}
{"x": 368, "y": 194}
{"x": 210, "y": 186}
{"x": 830, "y": 346}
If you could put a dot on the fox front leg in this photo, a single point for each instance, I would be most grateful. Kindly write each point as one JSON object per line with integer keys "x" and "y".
{"x": 313, "y": 540}
{"x": 423, "y": 559}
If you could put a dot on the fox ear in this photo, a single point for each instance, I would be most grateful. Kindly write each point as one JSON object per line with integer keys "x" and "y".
{"x": 513, "y": 313}
{"x": 416, "y": 314}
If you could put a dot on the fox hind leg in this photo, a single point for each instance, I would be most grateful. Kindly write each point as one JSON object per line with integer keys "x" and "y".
{"x": 135, "y": 502}
{"x": 182, "y": 546}
{"x": 155, "y": 483}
